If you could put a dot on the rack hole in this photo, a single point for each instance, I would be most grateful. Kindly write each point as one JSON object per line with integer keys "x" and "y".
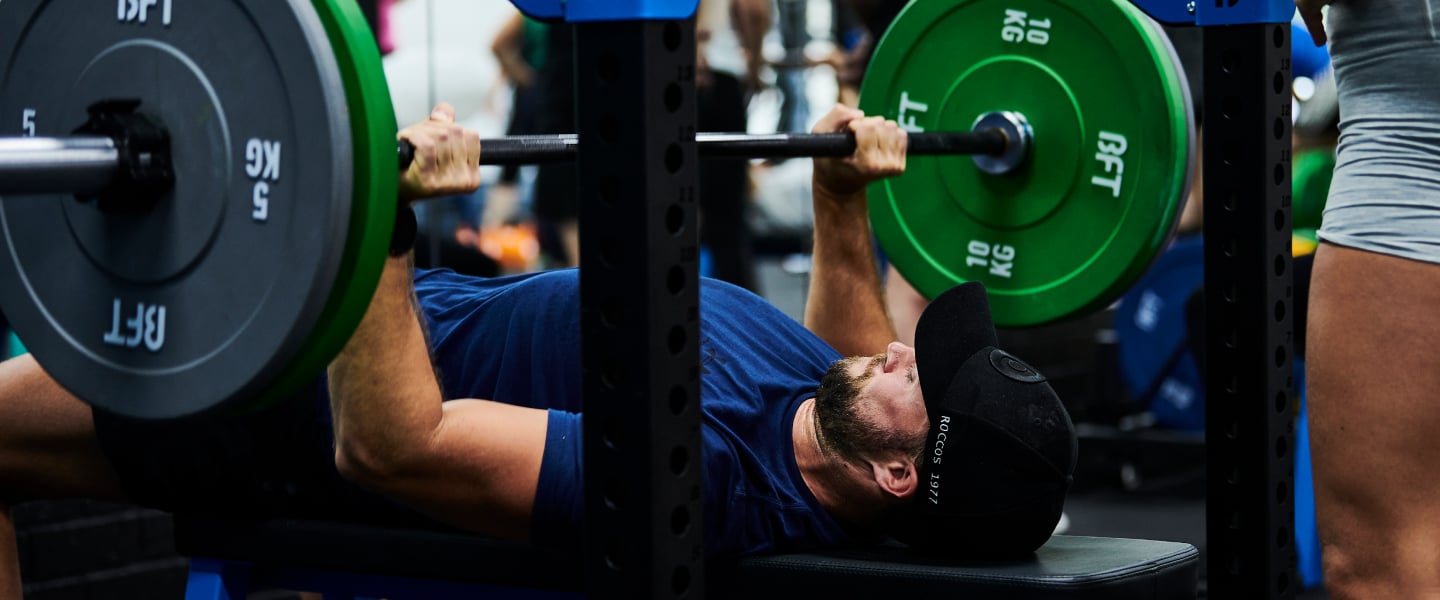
{"x": 614, "y": 498}
{"x": 679, "y": 459}
{"x": 680, "y": 580}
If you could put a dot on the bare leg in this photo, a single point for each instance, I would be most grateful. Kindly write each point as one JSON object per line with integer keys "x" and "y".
{"x": 47, "y": 450}
{"x": 1374, "y": 393}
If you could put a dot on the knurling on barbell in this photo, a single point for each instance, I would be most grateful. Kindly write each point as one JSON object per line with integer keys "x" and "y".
{"x": 238, "y": 283}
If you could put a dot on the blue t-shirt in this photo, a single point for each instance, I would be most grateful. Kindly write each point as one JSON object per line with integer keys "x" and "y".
{"x": 517, "y": 340}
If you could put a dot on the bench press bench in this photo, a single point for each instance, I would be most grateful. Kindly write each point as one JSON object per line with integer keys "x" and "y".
{"x": 230, "y": 558}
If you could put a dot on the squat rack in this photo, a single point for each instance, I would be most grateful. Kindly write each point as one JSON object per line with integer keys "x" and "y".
{"x": 1249, "y": 382}
{"x": 639, "y": 298}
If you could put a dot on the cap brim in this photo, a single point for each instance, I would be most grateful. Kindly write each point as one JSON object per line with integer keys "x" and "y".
{"x": 955, "y": 325}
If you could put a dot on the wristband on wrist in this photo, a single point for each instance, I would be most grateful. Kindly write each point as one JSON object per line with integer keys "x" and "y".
{"x": 402, "y": 238}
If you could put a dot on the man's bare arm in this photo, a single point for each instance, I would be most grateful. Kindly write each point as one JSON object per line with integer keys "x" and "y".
{"x": 470, "y": 463}
{"x": 846, "y": 305}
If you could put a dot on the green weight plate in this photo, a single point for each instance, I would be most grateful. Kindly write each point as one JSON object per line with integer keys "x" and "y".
{"x": 372, "y": 216}
{"x": 1082, "y": 218}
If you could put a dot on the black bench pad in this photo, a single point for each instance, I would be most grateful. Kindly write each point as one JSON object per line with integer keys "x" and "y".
{"x": 1066, "y": 567}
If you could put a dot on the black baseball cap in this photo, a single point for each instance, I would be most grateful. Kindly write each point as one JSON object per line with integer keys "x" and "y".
{"x": 1001, "y": 451}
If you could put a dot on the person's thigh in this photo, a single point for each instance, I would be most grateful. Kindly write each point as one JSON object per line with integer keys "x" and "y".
{"x": 1373, "y": 376}
{"x": 48, "y": 447}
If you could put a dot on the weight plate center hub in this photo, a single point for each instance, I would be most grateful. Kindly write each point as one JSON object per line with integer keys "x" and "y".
{"x": 168, "y": 237}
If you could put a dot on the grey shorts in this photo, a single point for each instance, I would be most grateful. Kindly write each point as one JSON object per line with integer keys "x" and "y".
{"x": 1386, "y": 194}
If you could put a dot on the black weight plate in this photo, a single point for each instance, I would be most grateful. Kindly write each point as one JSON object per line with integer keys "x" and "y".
{"x": 203, "y": 300}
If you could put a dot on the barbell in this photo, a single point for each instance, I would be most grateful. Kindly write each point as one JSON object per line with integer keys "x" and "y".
{"x": 197, "y": 200}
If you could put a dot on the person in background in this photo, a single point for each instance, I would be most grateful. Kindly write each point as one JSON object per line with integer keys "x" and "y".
{"x": 728, "y": 63}
{"x": 506, "y": 232}
{"x": 554, "y": 205}
{"x": 728, "y": 37}
{"x": 384, "y": 31}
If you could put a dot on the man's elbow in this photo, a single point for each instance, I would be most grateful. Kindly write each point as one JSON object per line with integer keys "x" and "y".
{"x": 371, "y": 465}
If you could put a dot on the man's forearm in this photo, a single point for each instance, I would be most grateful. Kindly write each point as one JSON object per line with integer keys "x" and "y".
{"x": 846, "y": 305}
{"x": 383, "y": 393}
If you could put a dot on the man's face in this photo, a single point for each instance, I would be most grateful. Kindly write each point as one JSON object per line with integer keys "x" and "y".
{"x": 890, "y": 395}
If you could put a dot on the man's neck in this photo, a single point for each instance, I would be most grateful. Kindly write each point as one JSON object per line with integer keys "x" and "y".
{"x": 829, "y": 478}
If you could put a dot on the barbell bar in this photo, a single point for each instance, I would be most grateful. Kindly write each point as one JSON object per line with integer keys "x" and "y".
{"x": 536, "y": 149}
{"x": 86, "y": 164}
{"x": 80, "y": 165}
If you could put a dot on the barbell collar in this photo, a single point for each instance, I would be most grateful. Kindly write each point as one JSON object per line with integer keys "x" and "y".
{"x": 1018, "y": 135}
{"x": 81, "y": 165}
